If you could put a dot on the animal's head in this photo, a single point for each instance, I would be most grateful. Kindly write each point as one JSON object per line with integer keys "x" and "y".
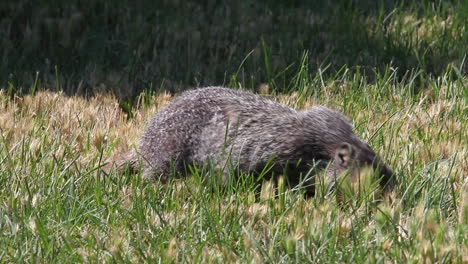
{"x": 333, "y": 138}
{"x": 352, "y": 159}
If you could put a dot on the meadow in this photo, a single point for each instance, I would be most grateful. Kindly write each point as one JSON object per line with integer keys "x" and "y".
{"x": 58, "y": 206}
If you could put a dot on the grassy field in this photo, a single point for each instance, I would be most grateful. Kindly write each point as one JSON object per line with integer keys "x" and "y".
{"x": 56, "y": 205}
{"x": 397, "y": 71}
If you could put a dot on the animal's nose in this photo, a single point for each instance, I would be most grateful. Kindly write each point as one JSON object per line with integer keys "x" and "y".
{"x": 387, "y": 177}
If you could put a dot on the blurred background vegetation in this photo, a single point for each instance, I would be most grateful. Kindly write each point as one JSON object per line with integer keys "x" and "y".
{"x": 127, "y": 46}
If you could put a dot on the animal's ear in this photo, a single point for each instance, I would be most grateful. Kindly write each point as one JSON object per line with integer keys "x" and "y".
{"x": 344, "y": 154}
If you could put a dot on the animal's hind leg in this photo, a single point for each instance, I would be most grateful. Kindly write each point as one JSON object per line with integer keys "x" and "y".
{"x": 161, "y": 154}
{"x": 159, "y": 170}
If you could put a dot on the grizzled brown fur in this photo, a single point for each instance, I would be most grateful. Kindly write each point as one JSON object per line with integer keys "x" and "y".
{"x": 227, "y": 127}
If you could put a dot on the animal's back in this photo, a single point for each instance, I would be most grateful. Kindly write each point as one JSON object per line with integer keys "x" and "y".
{"x": 192, "y": 127}
{"x": 229, "y": 127}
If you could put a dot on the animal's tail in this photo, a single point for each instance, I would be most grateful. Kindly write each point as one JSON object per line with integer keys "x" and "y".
{"x": 122, "y": 162}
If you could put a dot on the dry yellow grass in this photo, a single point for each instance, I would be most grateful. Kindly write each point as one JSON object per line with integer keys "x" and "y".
{"x": 421, "y": 135}
{"x": 99, "y": 122}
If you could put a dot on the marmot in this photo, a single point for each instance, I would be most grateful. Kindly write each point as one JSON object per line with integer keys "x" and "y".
{"x": 237, "y": 129}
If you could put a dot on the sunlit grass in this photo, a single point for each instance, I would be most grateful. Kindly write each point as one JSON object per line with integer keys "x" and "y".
{"x": 397, "y": 70}
{"x": 56, "y": 205}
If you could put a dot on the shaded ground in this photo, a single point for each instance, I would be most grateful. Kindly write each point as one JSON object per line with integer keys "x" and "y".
{"x": 129, "y": 46}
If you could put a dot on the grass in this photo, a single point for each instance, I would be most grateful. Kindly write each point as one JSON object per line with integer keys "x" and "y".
{"x": 127, "y": 47}
{"x": 397, "y": 70}
{"x": 57, "y": 206}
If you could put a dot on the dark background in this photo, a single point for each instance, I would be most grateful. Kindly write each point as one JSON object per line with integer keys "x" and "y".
{"x": 125, "y": 47}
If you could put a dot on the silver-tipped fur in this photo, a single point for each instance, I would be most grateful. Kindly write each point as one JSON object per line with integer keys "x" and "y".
{"x": 228, "y": 127}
